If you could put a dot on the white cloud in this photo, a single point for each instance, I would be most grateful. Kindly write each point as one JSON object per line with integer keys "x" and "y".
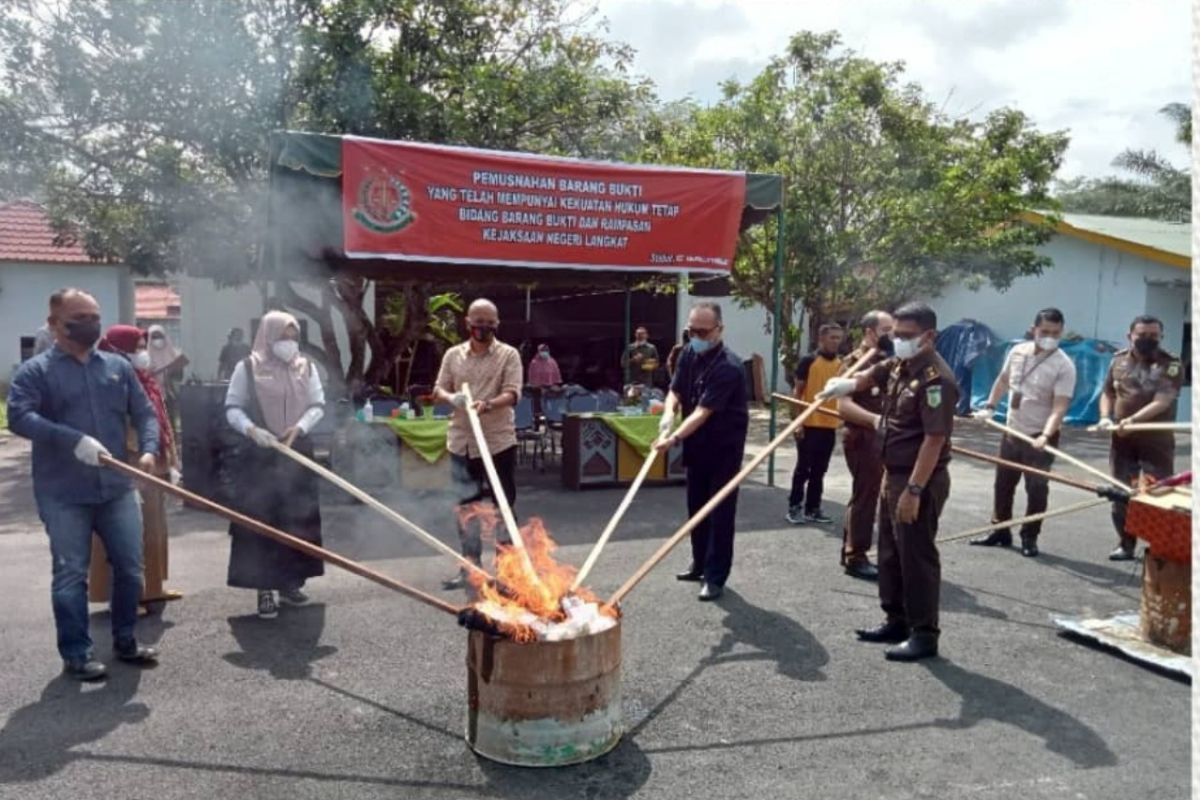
{"x": 1100, "y": 68}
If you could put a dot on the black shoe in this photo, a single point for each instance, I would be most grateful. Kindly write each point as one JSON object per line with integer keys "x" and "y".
{"x": 86, "y": 669}
{"x": 817, "y": 517}
{"x": 919, "y": 645}
{"x": 994, "y": 539}
{"x": 459, "y": 581}
{"x": 292, "y": 597}
{"x": 267, "y": 609}
{"x": 1029, "y": 547}
{"x": 692, "y": 574}
{"x": 710, "y": 591}
{"x": 133, "y": 653}
{"x": 795, "y": 516}
{"x": 863, "y": 570}
{"x": 887, "y": 633}
{"x": 1121, "y": 554}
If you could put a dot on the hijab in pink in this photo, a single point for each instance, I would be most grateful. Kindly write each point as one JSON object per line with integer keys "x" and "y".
{"x": 282, "y": 388}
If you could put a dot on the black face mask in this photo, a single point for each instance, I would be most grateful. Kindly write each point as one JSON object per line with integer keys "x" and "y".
{"x": 828, "y": 353}
{"x": 885, "y": 345}
{"x": 1145, "y": 347}
{"x": 483, "y": 333}
{"x": 85, "y": 332}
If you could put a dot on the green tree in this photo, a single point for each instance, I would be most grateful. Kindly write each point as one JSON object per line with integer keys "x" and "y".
{"x": 144, "y": 123}
{"x": 1157, "y": 188}
{"x": 885, "y": 197}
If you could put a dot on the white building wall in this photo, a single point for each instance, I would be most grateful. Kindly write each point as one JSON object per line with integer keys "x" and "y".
{"x": 25, "y": 291}
{"x": 1100, "y": 290}
{"x": 207, "y": 313}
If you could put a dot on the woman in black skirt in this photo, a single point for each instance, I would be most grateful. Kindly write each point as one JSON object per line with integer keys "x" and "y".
{"x": 275, "y": 394}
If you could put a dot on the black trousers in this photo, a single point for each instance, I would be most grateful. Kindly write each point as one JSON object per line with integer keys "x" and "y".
{"x": 712, "y": 540}
{"x": 1037, "y": 488}
{"x": 468, "y": 475}
{"x": 813, "y": 451}
{"x": 910, "y": 569}
{"x": 1151, "y": 453}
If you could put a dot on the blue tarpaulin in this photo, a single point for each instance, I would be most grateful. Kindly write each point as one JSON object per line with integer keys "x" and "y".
{"x": 962, "y": 345}
{"x": 1090, "y": 356}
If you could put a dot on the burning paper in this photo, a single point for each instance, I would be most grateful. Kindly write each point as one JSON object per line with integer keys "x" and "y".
{"x": 537, "y": 606}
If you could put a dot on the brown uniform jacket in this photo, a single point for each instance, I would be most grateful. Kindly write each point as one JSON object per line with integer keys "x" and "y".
{"x": 1135, "y": 383}
{"x": 919, "y": 398}
{"x": 869, "y": 399}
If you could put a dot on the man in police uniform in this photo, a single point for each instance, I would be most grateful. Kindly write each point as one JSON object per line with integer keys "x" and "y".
{"x": 710, "y": 387}
{"x": 918, "y": 417}
{"x": 861, "y": 448}
{"x": 1142, "y": 385}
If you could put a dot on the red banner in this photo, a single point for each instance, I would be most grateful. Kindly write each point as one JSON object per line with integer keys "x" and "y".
{"x": 420, "y": 202}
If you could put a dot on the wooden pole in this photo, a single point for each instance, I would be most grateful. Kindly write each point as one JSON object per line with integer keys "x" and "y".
{"x": 616, "y": 519}
{"x": 493, "y": 477}
{"x": 392, "y": 515}
{"x": 1089, "y": 487}
{"x": 1136, "y": 427}
{"x": 286, "y": 539}
{"x": 725, "y": 491}
{"x": 1022, "y": 520}
{"x": 1070, "y": 459}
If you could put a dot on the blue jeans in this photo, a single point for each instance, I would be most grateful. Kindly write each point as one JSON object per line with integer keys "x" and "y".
{"x": 118, "y": 523}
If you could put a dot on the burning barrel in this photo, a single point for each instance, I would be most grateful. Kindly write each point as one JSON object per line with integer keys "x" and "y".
{"x": 544, "y": 703}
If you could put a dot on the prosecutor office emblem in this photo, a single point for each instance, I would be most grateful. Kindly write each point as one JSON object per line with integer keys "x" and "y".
{"x": 384, "y": 204}
{"x": 933, "y": 396}
{"x": 1173, "y": 370}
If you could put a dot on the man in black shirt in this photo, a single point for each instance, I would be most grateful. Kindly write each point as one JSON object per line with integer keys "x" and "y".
{"x": 710, "y": 388}
{"x": 234, "y": 351}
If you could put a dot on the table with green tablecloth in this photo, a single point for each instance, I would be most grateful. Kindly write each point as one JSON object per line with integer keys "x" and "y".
{"x": 423, "y": 461}
{"x": 608, "y": 450}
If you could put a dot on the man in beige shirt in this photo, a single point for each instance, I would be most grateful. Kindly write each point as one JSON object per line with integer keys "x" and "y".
{"x": 493, "y": 371}
{"x": 1040, "y": 380}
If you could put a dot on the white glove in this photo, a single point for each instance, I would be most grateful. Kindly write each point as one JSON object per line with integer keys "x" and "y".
{"x": 1105, "y": 424}
{"x": 839, "y": 387}
{"x": 262, "y": 438}
{"x": 459, "y": 400}
{"x": 983, "y": 413}
{"x": 175, "y": 476}
{"x": 89, "y": 450}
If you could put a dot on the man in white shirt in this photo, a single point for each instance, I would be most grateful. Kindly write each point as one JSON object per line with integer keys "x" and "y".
{"x": 1040, "y": 381}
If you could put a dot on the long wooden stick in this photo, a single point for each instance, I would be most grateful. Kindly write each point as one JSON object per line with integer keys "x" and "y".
{"x": 616, "y": 519}
{"x": 1135, "y": 427}
{"x": 687, "y": 527}
{"x": 1022, "y": 520}
{"x": 1002, "y": 462}
{"x": 391, "y": 514}
{"x": 489, "y": 466}
{"x": 261, "y": 528}
{"x": 1070, "y": 459}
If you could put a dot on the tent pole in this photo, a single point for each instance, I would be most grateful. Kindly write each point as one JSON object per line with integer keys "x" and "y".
{"x": 628, "y": 316}
{"x": 776, "y": 336}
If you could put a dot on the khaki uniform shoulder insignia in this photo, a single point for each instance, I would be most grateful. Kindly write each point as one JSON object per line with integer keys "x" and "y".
{"x": 1173, "y": 369}
{"x": 932, "y": 373}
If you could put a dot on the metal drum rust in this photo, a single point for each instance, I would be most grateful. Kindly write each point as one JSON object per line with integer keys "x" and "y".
{"x": 544, "y": 704}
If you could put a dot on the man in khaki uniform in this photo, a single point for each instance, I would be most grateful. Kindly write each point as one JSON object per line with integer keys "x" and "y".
{"x": 861, "y": 448}
{"x": 1040, "y": 381}
{"x": 493, "y": 371}
{"x": 915, "y": 426}
{"x": 1142, "y": 385}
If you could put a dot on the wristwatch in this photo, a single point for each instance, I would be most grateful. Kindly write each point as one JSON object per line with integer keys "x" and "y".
{"x": 914, "y": 489}
{"x": 487, "y": 405}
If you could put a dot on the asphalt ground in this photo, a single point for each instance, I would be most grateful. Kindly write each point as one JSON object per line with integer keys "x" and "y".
{"x": 763, "y": 694}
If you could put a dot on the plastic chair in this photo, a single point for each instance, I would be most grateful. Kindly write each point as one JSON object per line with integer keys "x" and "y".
{"x": 527, "y": 430}
{"x": 608, "y": 400}
{"x": 582, "y": 404}
{"x": 554, "y": 408}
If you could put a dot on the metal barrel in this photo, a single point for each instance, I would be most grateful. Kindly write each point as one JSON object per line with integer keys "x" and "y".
{"x": 544, "y": 704}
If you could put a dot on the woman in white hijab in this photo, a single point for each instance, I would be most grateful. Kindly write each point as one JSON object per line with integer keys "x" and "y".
{"x": 275, "y": 394}
{"x": 166, "y": 367}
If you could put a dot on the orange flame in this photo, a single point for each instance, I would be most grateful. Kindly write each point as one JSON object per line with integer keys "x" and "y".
{"x": 515, "y": 591}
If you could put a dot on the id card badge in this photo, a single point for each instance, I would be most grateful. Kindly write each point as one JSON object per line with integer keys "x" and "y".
{"x": 1016, "y": 401}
